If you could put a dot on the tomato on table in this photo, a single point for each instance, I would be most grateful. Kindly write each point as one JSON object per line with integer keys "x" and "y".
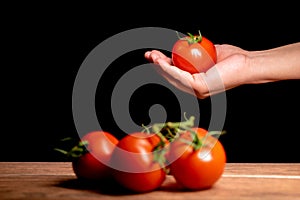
{"x": 138, "y": 162}
{"x": 197, "y": 160}
{"x": 92, "y": 154}
{"x": 194, "y": 53}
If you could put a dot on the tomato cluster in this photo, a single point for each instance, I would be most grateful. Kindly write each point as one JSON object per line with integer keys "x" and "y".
{"x": 141, "y": 161}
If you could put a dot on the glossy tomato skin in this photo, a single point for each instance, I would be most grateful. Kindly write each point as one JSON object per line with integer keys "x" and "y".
{"x": 88, "y": 167}
{"x": 94, "y": 164}
{"x": 196, "y": 57}
{"x": 134, "y": 164}
{"x": 200, "y": 169}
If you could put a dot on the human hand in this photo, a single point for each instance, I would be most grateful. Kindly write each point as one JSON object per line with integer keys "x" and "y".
{"x": 230, "y": 71}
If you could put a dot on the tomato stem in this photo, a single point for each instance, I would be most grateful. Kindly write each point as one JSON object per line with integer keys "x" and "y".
{"x": 146, "y": 129}
{"x": 77, "y": 151}
{"x": 170, "y": 130}
{"x": 191, "y": 39}
{"x": 197, "y": 143}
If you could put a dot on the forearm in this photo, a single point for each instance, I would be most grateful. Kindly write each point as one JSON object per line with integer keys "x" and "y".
{"x": 280, "y": 63}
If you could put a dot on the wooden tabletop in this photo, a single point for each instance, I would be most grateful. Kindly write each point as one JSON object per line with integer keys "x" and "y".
{"x": 56, "y": 180}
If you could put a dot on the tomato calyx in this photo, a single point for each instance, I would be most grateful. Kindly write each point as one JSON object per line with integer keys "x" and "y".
{"x": 191, "y": 39}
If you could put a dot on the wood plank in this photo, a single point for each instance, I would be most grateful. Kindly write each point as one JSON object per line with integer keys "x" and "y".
{"x": 44, "y": 180}
{"x": 36, "y": 168}
{"x": 286, "y": 169}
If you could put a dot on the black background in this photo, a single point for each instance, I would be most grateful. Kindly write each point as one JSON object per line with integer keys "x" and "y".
{"x": 43, "y": 47}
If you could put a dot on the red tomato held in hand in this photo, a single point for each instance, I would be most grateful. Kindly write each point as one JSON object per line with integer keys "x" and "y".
{"x": 197, "y": 168}
{"x": 138, "y": 166}
{"x": 194, "y": 54}
{"x": 94, "y": 164}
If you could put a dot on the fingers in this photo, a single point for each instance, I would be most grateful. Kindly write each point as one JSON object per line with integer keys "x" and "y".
{"x": 165, "y": 64}
{"x": 154, "y": 55}
{"x": 171, "y": 74}
{"x": 175, "y": 72}
{"x": 191, "y": 83}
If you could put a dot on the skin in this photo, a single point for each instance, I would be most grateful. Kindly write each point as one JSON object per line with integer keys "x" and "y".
{"x": 235, "y": 66}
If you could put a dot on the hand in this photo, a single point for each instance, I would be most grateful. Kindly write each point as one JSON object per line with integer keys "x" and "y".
{"x": 234, "y": 67}
{"x": 229, "y": 71}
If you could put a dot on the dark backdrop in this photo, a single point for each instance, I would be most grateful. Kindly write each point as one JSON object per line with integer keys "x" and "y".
{"x": 44, "y": 46}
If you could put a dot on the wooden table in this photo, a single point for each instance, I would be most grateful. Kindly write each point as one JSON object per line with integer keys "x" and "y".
{"x": 56, "y": 180}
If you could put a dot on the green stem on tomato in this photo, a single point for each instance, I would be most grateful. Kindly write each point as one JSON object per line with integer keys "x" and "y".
{"x": 191, "y": 39}
{"x": 146, "y": 129}
{"x": 197, "y": 142}
{"x": 159, "y": 152}
{"x": 170, "y": 130}
{"x": 77, "y": 151}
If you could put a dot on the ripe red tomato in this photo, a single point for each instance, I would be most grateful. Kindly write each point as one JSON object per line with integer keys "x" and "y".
{"x": 194, "y": 54}
{"x": 94, "y": 163}
{"x": 193, "y": 168}
{"x": 137, "y": 162}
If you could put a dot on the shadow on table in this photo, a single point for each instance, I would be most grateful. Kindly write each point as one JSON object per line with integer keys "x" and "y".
{"x": 108, "y": 187}
{"x": 111, "y": 187}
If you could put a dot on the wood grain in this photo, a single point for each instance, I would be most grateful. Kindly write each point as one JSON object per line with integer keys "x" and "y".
{"x": 56, "y": 180}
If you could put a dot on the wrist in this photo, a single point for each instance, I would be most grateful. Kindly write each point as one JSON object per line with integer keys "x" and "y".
{"x": 260, "y": 66}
